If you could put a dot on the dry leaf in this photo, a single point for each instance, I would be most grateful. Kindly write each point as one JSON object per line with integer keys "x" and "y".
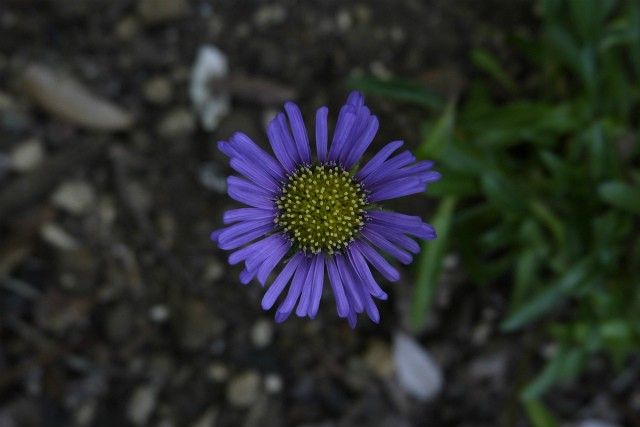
{"x": 66, "y": 98}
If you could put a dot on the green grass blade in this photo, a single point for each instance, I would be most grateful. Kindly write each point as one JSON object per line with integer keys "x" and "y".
{"x": 620, "y": 195}
{"x": 430, "y": 263}
{"x": 539, "y": 415}
{"x": 399, "y": 90}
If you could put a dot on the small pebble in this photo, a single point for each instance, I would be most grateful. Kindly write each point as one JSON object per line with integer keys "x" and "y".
{"x": 212, "y": 178}
{"x": 213, "y": 271}
{"x": 158, "y": 90}
{"x": 262, "y": 333}
{"x": 176, "y": 123}
{"x": 75, "y": 197}
{"x": 208, "y": 419}
{"x": 243, "y": 390}
{"x": 58, "y": 237}
{"x": 142, "y": 404}
{"x": 159, "y": 313}
{"x": 159, "y": 11}
{"x": 273, "y": 383}
{"x": 27, "y": 155}
{"x": 379, "y": 359}
{"x": 218, "y": 372}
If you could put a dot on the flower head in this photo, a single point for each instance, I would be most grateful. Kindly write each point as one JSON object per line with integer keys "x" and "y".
{"x": 318, "y": 215}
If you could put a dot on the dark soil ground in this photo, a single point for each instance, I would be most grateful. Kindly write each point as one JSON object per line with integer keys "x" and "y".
{"x": 116, "y": 309}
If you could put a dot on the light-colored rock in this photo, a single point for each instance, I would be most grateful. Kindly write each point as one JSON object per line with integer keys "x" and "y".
{"x": 218, "y": 372}
{"x": 208, "y": 419}
{"x": 244, "y": 389}
{"x": 127, "y": 28}
{"x": 213, "y": 271}
{"x": 27, "y": 155}
{"x": 142, "y": 404}
{"x": 57, "y": 237}
{"x": 417, "y": 372}
{"x": 159, "y": 11}
{"x": 212, "y": 177}
{"x": 270, "y": 14}
{"x": 158, "y": 90}
{"x": 176, "y": 123}
{"x": 76, "y": 197}
{"x": 211, "y": 64}
{"x": 379, "y": 359}
{"x": 262, "y": 333}
{"x": 159, "y": 313}
{"x": 273, "y": 383}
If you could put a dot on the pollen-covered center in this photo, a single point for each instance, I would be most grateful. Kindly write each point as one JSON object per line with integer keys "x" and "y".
{"x": 321, "y": 208}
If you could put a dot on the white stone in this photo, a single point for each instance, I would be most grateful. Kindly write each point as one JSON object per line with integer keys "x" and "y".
{"x": 27, "y": 155}
{"x": 76, "y": 197}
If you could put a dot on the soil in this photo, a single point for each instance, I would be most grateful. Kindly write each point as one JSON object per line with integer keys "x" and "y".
{"x": 115, "y": 307}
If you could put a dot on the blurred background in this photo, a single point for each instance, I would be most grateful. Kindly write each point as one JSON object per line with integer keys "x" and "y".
{"x": 117, "y": 310}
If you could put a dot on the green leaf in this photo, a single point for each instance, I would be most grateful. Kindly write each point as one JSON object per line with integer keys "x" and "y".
{"x": 440, "y": 134}
{"x": 522, "y": 121}
{"x": 620, "y": 195}
{"x": 538, "y": 414}
{"x": 490, "y": 65}
{"x": 454, "y": 185}
{"x": 399, "y": 90}
{"x": 503, "y": 193}
{"x": 548, "y": 299}
{"x": 430, "y": 263}
{"x": 566, "y": 364}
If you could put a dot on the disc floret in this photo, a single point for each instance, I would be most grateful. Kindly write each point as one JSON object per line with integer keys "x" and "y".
{"x": 321, "y": 208}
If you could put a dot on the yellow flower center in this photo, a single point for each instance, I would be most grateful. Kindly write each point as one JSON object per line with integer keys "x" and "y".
{"x": 321, "y": 208}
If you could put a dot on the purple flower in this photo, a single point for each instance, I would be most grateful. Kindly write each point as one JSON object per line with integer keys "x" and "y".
{"x": 317, "y": 214}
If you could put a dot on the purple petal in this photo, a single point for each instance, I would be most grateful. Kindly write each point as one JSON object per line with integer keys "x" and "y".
{"x": 389, "y": 166}
{"x": 246, "y": 214}
{"x": 257, "y": 175}
{"x": 318, "y": 284}
{"x": 252, "y": 199}
{"x": 380, "y": 157}
{"x": 350, "y": 284}
{"x": 355, "y": 98}
{"x": 321, "y": 133}
{"x": 215, "y": 234}
{"x": 396, "y": 237}
{"x": 279, "y": 145}
{"x": 257, "y": 155}
{"x": 299, "y": 131}
{"x": 342, "y": 303}
{"x": 378, "y": 261}
{"x": 247, "y": 276}
{"x": 285, "y": 135}
{"x": 273, "y": 244}
{"x": 299, "y": 280}
{"x": 251, "y": 250}
{"x": 241, "y": 184}
{"x": 236, "y": 242}
{"x": 362, "y": 143}
{"x": 412, "y": 225}
{"x": 280, "y": 282}
{"x": 270, "y": 263}
{"x": 364, "y": 273}
{"x": 396, "y": 189}
{"x": 236, "y": 230}
{"x": 346, "y": 120}
{"x": 383, "y": 244}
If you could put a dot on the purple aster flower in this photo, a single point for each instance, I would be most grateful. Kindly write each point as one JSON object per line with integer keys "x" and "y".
{"x": 318, "y": 215}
